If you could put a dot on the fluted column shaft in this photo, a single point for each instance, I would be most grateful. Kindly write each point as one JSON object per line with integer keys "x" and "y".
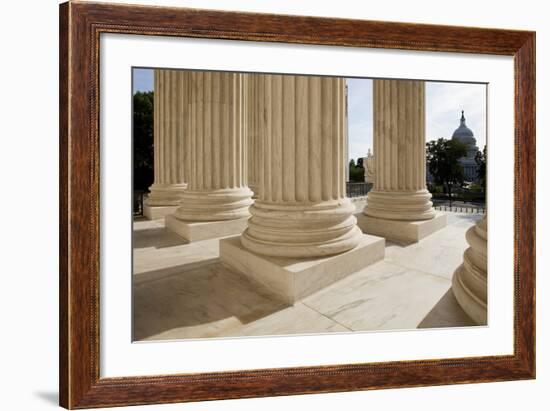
{"x": 301, "y": 210}
{"x": 253, "y": 132}
{"x": 470, "y": 278}
{"x": 215, "y": 147}
{"x": 168, "y": 123}
{"x": 399, "y": 191}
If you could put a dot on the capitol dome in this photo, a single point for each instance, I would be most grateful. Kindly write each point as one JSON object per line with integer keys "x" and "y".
{"x": 463, "y": 133}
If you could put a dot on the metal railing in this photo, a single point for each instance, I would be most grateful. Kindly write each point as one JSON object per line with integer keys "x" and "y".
{"x": 357, "y": 189}
{"x": 461, "y": 209}
{"x": 138, "y": 202}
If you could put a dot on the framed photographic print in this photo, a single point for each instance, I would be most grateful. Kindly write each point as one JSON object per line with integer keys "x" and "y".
{"x": 257, "y": 205}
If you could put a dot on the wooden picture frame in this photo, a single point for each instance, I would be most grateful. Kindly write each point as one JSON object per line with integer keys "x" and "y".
{"x": 80, "y": 27}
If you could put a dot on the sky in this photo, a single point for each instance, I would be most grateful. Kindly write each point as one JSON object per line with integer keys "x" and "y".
{"x": 143, "y": 80}
{"x": 444, "y": 102}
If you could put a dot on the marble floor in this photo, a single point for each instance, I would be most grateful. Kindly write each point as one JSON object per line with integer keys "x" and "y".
{"x": 181, "y": 290}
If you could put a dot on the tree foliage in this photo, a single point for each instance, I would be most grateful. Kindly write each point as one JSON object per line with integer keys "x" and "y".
{"x": 481, "y": 160}
{"x": 356, "y": 172}
{"x": 143, "y": 139}
{"x": 442, "y": 157}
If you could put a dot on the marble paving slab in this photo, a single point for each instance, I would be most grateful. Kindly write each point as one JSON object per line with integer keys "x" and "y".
{"x": 181, "y": 290}
{"x": 383, "y": 296}
{"x": 210, "y": 301}
{"x": 297, "y": 319}
{"x": 446, "y": 313}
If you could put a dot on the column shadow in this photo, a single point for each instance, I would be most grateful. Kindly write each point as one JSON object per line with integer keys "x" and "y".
{"x": 157, "y": 237}
{"x": 207, "y": 301}
{"x": 447, "y": 313}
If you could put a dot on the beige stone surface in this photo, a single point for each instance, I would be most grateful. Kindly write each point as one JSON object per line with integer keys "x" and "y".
{"x": 446, "y": 313}
{"x": 164, "y": 194}
{"x": 292, "y": 279}
{"x": 157, "y": 212}
{"x": 401, "y": 230}
{"x": 399, "y": 136}
{"x": 301, "y": 209}
{"x": 182, "y": 290}
{"x": 438, "y": 254}
{"x": 254, "y": 124}
{"x": 470, "y": 278}
{"x": 359, "y": 204}
{"x": 157, "y": 250}
{"x": 203, "y": 230}
{"x": 210, "y": 301}
{"x": 207, "y": 301}
{"x": 214, "y": 147}
{"x": 384, "y": 297}
{"x": 302, "y": 264}
{"x": 368, "y": 165}
{"x": 141, "y": 225}
{"x": 168, "y": 122}
{"x": 296, "y": 319}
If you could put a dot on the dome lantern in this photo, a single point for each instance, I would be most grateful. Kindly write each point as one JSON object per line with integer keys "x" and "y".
{"x": 463, "y": 133}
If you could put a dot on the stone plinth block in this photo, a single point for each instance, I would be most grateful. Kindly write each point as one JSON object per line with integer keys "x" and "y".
{"x": 401, "y": 230}
{"x": 204, "y": 230}
{"x": 157, "y": 212}
{"x": 292, "y": 279}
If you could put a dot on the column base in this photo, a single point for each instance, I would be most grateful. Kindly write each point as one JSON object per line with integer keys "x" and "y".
{"x": 292, "y": 279}
{"x": 204, "y": 230}
{"x": 401, "y": 230}
{"x": 255, "y": 190}
{"x": 472, "y": 304}
{"x": 157, "y": 212}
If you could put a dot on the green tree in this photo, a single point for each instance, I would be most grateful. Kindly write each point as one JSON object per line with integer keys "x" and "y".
{"x": 442, "y": 158}
{"x": 143, "y": 139}
{"x": 481, "y": 160}
{"x": 356, "y": 172}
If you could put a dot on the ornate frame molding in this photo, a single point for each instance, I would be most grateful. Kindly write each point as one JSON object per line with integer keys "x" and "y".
{"x": 80, "y": 27}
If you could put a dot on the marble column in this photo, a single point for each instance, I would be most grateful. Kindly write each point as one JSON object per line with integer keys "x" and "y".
{"x": 470, "y": 278}
{"x": 399, "y": 200}
{"x": 168, "y": 122}
{"x": 215, "y": 152}
{"x": 301, "y": 210}
{"x": 253, "y": 131}
{"x": 302, "y": 234}
{"x": 346, "y": 131}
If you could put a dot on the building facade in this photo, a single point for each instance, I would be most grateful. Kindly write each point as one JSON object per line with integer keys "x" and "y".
{"x": 464, "y": 135}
